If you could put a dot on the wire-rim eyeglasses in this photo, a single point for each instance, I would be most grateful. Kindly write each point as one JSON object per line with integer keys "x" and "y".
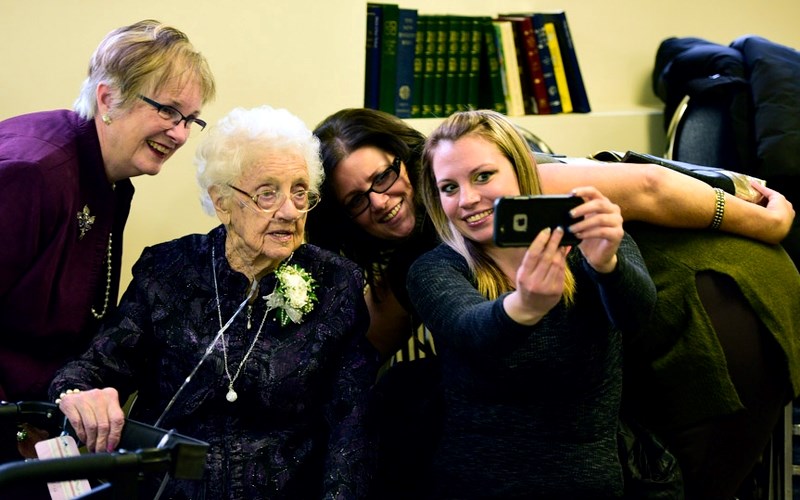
{"x": 269, "y": 200}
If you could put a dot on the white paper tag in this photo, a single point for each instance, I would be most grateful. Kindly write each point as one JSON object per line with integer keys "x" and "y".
{"x": 62, "y": 447}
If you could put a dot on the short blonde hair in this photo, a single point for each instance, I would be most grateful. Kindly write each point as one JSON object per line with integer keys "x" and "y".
{"x": 139, "y": 59}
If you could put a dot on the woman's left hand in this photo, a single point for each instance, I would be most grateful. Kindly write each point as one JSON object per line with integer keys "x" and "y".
{"x": 96, "y": 416}
{"x": 600, "y": 231}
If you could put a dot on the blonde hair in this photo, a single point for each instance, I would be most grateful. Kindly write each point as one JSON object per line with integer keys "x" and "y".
{"x": 498, "y": 130}
{"x": 140, "y": 58}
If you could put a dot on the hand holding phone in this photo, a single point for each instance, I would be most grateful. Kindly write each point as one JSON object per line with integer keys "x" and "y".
{"x": 518, "y": 219}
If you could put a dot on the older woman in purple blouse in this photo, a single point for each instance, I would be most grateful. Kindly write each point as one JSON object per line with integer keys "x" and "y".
{"x": 65, "y": 195}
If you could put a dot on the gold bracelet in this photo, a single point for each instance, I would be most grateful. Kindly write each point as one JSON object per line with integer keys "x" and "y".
{"x": 63, "y": 394}
{"x": 719, "y": 209}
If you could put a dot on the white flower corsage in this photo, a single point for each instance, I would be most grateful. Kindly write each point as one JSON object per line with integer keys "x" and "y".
{"x": 294, "y": 294}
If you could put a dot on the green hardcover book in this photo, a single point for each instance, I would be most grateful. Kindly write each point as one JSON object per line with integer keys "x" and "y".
{"x": 419, "y": 68}
{"x": 388, "y": 66}
{"x": 464, "y": 45}
{"x": 474, "y": 71}
{"x": 429, "y": 65}
{"x": 492, "y": 95}
{"x": 452, "y": 65}
{"x": 440, "y": 66}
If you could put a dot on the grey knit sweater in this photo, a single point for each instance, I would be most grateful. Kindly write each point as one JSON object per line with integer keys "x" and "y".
{"x": 531, "y": 411}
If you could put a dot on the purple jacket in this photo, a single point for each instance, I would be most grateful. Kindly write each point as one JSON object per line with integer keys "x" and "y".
{"x": 50, "y": 278}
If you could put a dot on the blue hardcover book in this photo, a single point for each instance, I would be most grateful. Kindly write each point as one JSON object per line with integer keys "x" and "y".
{"x": 373, "y": 57}
{"x": 548, "y": 72}
{"x": 577, "y": 90}
{"x": 406, "y": 45}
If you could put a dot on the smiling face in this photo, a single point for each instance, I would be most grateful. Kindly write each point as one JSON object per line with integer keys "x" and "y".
{"x": 390, "y": 215}
{"x": 137, "y": 140}
{"x": 258, "y": 242}
{"x": 470, "y": 174}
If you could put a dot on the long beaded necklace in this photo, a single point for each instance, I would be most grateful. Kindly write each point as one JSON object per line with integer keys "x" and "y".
{"x": 210, "y": 347}
{"x": 99, "y": 315}
{"x": 231, "y": 395}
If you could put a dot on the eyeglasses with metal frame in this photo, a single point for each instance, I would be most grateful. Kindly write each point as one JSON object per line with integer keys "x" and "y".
{"x": 359, "y": 203}
{"x": 173, "y": 115}
{"x": 271, "y": 200}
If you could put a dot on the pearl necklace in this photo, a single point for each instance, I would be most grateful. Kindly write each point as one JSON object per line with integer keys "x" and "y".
{"x": 231, "y": 395}
{"x": 99, "y": 315}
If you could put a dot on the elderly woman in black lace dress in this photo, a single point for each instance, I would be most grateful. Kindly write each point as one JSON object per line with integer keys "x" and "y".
{"x": 269, "y": 331}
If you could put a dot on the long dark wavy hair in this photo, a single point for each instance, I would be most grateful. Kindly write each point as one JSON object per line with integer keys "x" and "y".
{"x": 329, "y": 225}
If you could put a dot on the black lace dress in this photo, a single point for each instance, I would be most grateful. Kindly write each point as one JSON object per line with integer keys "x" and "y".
{"x": 298, "y": 427}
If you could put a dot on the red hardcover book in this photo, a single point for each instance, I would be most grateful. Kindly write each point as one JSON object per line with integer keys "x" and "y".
{"x": 531, "y": 67}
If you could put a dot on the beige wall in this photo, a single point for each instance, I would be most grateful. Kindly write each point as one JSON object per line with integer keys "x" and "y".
{"x": 307, "y": 56}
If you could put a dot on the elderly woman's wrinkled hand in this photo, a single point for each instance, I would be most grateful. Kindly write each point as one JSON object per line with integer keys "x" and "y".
{"x": 96, "y": 416}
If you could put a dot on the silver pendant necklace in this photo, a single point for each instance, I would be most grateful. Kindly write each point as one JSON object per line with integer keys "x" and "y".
{"x": 211, "y": 345}
{"x": 231, "y": 395}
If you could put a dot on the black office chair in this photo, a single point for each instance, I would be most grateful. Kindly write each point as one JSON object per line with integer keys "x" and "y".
{"x": 714, "y": 128}
{"x": 536, "y": 144}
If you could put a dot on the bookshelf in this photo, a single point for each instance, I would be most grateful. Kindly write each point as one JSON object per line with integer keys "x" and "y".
{"x": 308, "y": 56}
{"x": 506, "y": 44}
{"x": 434, "y": 65}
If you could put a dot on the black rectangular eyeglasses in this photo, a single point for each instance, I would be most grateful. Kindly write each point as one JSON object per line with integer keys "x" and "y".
{"x": 173, "y": 115}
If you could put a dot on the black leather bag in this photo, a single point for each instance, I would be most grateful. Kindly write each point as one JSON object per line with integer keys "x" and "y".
{"x": 731, "y": 182}
{"x": 650, "y": 471}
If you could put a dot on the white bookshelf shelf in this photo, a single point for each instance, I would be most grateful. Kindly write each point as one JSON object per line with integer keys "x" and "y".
{"x": 582, "y": 134}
